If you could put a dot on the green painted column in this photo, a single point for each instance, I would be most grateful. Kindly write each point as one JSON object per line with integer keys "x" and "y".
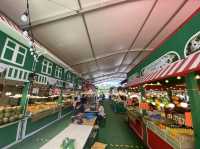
{"x": 194, "y": 95}
{"x": 24, "y": 99}
{"x": 142, "y": 90}
{"x": 60, "y": 99}
{"x": 144, "y": 112}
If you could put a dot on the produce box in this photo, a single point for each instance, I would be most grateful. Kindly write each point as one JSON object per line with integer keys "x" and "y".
{"x": 10, "y": 114}
{"x": 98, "y": 145}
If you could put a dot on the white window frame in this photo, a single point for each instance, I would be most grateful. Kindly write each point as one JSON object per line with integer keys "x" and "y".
{"x": 58, "y": 72}
{"x": 15, "y": 52}
{"x": 48, "y": 65}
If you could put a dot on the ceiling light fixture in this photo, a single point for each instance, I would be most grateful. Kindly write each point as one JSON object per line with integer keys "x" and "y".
{"x": 178, "y": 77}
{"x": 158, "y": 83}
{"x": 24, "y": 17}
{"x": 166, "y": 81}
{"x": 197, "y": 77}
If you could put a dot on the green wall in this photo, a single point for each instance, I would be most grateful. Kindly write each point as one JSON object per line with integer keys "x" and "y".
{"x": 29, "y": 59}
{"x": 175, "y": 43}
{"x": 28, "y": 64}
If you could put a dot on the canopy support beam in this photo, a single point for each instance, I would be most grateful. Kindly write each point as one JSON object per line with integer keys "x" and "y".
{"x": 161, "y": 29}
{"x": 74, "y": 13}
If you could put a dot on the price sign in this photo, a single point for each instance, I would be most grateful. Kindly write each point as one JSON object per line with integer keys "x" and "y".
{"x": 129, "y": 102}
{"x": 144, "y": 106}
{"x": 188, "y": 119}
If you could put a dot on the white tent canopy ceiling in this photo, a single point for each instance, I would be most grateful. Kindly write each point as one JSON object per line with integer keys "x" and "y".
{"x": 101, "y": 39}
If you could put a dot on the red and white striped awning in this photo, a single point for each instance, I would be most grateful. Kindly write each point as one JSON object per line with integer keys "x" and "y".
{"x": 178, "y": 68}
{"x": 190, "y": 64}
{"x": 134, "y": 82}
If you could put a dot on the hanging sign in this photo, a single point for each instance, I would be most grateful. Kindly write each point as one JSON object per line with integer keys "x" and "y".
{"x": 3, "y": 67}
{"x": 161, "y": 62}
{"x": 35, "y": 91}
{"x": 68, "y": 85}
{"x": 188, "y": 119}
{"x": 51, "y": 81}
{"x": 192, "y": 45}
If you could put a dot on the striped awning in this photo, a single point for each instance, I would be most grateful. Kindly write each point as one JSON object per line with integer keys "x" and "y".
{"x": 178, "y": 68}
{"x": 134, "y": 82}
{"x": 190, "y": 64}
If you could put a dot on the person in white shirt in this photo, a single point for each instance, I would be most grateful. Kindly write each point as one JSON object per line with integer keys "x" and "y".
{"x": 101, "y": 111}
{"x": 101, "y": 114}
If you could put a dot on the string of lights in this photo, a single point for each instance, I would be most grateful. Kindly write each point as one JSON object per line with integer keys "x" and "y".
{"x": 26, "y": 18}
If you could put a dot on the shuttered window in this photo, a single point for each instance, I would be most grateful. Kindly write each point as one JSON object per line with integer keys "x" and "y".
{"x": 14, "y": 52}
{"x": 47, "y": 67}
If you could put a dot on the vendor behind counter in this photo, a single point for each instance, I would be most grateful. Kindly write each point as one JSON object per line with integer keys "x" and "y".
{"x": 79, "y": 108}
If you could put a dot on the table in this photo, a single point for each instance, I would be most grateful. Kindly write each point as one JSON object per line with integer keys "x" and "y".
{"x": 74, "y": 131}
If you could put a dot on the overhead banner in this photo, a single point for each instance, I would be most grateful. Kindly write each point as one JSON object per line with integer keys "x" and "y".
{"x": 51, "y": 81}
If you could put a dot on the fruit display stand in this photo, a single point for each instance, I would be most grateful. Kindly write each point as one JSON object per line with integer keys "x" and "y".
{"x": 161, "y": 118}
{"x": 135, "y": 122}
{"x": 67, "y": 103}
{"x": 156, "y": 136}
{"x": 160, "y": 137}
{"x": 42, "y": 110}
{"x": 43, "y": 114}
{"x": 10, "y": 112}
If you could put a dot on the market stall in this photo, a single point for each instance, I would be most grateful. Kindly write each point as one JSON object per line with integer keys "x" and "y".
{"x": 11, "y": 114}
{"x": 168, "y": 82}
{"x": 118, "y": 100}
{"x": 163, "y": 115}
{"x": 31, "y": 86}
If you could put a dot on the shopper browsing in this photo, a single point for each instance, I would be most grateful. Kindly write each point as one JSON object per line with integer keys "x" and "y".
{"x": 100, "y": 110}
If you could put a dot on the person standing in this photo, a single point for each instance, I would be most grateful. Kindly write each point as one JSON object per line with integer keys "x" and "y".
{"x": 101, "y": 114}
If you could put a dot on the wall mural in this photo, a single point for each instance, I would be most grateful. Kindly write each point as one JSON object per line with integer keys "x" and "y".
{"x": 193, "y": 44}
{"x": 164, "y": 60}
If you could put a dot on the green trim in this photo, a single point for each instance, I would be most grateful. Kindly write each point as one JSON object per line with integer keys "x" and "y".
{"x": 33, "y": 126}
{"x": 176, "y": 43}
{"x": 29, "y": 60}
{"x": 194, "y": 94}
{"x": 24, "y": 99}
{"x": 15, "y": 73}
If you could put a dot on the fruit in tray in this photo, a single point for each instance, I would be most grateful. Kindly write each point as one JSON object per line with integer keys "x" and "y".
{"x": 10, "y": 114}
{"x": 175, "y": 98}
{"x": 42, "y": 107}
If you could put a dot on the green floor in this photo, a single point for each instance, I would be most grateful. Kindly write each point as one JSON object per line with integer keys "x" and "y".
{"x": 116, "y": 133}
{"x": 39, "y": 139}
